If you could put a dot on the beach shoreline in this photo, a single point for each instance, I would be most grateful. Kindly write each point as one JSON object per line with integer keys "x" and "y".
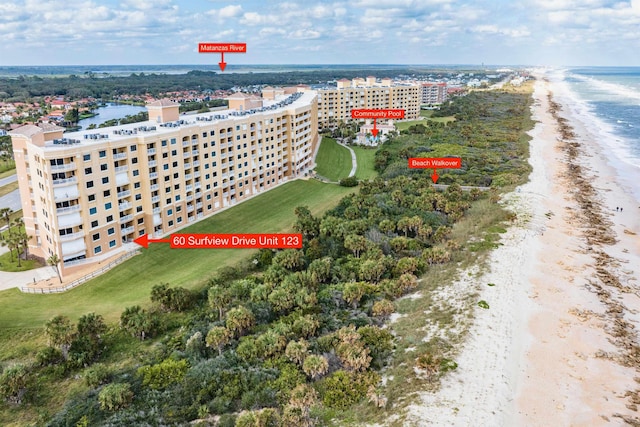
{"x": 557, "y": 346}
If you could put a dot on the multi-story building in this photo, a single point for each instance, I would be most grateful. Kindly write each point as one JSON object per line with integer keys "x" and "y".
{"x": 86, "y": 194}
{"x": 336, "y": 104}
{"x": 434, "y": 93}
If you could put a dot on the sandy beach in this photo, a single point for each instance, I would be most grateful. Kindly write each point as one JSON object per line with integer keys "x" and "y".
{"x": 557, "y": 346}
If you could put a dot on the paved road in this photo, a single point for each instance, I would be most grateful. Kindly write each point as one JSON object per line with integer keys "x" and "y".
{"x": 11, "y": 200}
{"x": 8, "y": 180}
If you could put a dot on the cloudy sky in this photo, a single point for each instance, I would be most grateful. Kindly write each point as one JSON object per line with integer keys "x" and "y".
{"x": 543, "y": 32}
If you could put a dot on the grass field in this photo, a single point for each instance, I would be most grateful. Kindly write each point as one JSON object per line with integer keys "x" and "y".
{"x": 7, "y": 168}
{"x": 333, "y": 160}
{"x": 365, "y": 158}
{"x": 6, "y": 189}
{"x": 130, "y": 283}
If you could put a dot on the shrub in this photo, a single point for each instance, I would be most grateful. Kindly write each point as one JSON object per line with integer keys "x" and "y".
{"x": 97, "y": 375}
{"x": 49, "y": 356}
{"x": 14, "y": 383}
{"x": 115, "y": 396}
{"x": 351, "y": 181}
{"x": 163, "y": 374}
{"x": 343, "y": 389}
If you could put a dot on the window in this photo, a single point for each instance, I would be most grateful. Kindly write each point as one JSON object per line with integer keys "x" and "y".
{"x": 169, "y": 211}
{"x": 94, "y": 224}
{"x": 167, "y": 190}
{"x": 86, "y": 157}
{"x": 111, "y": 231}
{"x": 89, "y": 184}
{"x": 165, "y": 155}
{"x": 165, "y": 167}
{"x": 96, "y": 237}
{"x": 169, "y": 201}
{"x": 178, "y": 209}
{"x": 102, "y": 153}
{"x": 176, "y": 175}
{"x": 140, "y": 221}
{"x": 179, "y": 219}
{"x": 207, "y": 176}
{"x": 133, "y": 148}
{"x": 109, "y": 218}
{"x": 107, "y": 206}
{"x": 173, "y": 140}
{"x": 105, "y": 179}
{"x": 112, "y": 243}
{"x": 138, "y": 196}
{"x": 136, "y": 172}
{"x": 208, "y": 196}
{"x": 97, "y": 250}
{"x": 103, "y": 167}
{"x": 176, "y": 187}
{"x": 87, "y": 171}
{"x": 93, "y": 211}
{"x": 106, "y": 193}
{"x": 170, "y": 223}
{"x": 138, "y": 209}
{"x": 178, "y": 198}
{"x": 92, "y": 197}
{"x": 174, "y": 164}
{"x": 164, "y": 143}
{"x": 174, "y": 152}
{"x": 167, "y": 178}
{"x": 134, "y": 160}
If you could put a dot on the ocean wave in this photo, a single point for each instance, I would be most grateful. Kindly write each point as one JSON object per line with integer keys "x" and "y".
{"x": 617, "y": 89}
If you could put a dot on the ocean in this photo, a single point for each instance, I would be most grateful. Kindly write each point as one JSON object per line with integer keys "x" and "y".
{"x": 607, "y": 101}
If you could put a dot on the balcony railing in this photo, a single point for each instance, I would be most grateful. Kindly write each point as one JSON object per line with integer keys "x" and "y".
{"x": 187, "y": 165}
{"x": 153, "y": 175}
{"x": 196, "y": 163}
{"x": 151, "y": 151}
{"x": 118, "y": 156}
{"x": 63, "y": 167}
{"x": 155, "y": 199}
{"x": 189, "y": 187}
{"x": 68, "y": 209}
{"x": 127, "y": 230}
{"x": 125, "y": 193}
{"x": 72, "y": 180}
{"x": 157, "y": 210}
{"x": 153, "y": 163}
{"x": 124, "y": 206}
{"x": 72, "y": 236}
{"x": 154, "y": 187}
{"x": 122, "y": 169}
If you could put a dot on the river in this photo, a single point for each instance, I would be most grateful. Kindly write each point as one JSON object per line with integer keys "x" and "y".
{"x": 111, "y": 111}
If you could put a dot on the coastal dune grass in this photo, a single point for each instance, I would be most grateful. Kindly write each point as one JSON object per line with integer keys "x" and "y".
{"x": 333, "y": 160}
{"x": 130, "y": 283}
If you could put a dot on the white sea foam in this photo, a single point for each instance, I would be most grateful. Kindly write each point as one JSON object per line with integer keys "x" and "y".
{"x": 609, "y": 88}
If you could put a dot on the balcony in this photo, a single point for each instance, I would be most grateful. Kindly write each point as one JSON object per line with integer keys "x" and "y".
{"x": 122, "y": 169}
{"x": 199, "y": 205}
{"x": 196, "y": 174}
{"x": 185, "y": 143}
{"x": 124, "y": 206}
{"x": 187, "y": 165}
{"x": 157, "y": 210}
{"x": 198, "y": 185}
{"x": 72, "y": 180}
{"x": 125, "y": 193}
{"x": 119, "y": 156}
{"x": 195, "y": 152}
{"x": 153, "y": 163}
{"x": 153, "y": 175}
{"x": 72, "y": 236}
{"x": 127, "y": 230}
{"x": 151, "y": 151}
{"x": 189, "y": 187}
{"x": 190, "y": 209}
{"x": 194, "y": 142}
{"x": 68, "y": 209}
{"x": 189, "y": 198}
{"x": 154, "y": 187}
{"x": 191, "y": 219}
{"x": 187, "y": 154}
{"x": 196, "y": 163}
{"x": 188, "y": 176}
{"x": 63, "y": 167}
{"x": 155, "y": 199}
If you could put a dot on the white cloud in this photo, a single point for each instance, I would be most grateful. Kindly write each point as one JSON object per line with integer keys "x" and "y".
{"x": 230, "y": 11}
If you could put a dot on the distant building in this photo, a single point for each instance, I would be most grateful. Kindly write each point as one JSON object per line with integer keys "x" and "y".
{"x": 86, "y": 194}
{"x": 433, "y": 93}
{"x": 336, "y": 104}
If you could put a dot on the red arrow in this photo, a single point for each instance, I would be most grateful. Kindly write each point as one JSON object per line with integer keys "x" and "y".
{"x": 375, "y": 129}
{"x": 435, "y": 176}
{"x": 144, "y": 241}
{"x": 222, "y": 64}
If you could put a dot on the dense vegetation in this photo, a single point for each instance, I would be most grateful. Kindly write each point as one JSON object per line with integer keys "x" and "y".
{"x": 23, "y": 88}
{"x": 296, "y": 336}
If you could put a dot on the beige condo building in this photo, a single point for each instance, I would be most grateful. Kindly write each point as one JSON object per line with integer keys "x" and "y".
{"x": 86, "y": 195}
{"x": 335, "y": 104}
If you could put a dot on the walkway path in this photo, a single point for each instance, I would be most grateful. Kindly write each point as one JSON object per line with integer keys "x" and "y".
{"x": 354, "y": 161}
{"x": 22, "y": 278}
{"x": 8, "y": 180}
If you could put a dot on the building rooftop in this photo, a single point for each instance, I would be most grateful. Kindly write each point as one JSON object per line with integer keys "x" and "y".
{"x": 163, "y": 103}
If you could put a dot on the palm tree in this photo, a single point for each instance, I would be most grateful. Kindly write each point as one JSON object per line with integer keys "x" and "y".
{"x": 5, "y": 213}
{"x": 53, "y": 261}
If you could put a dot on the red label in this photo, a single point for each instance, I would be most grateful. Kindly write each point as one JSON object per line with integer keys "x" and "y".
{"x": 222, "y": 47}
{"x": 435, "y": 163}
{"x": 236, "y": 241}
{"x": 377, "y": 114}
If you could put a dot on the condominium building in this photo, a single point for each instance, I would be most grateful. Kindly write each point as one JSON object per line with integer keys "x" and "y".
{"x": 86, "y": 194}
{"x": 335, "y": 104}
{"x": 434, "y": 93}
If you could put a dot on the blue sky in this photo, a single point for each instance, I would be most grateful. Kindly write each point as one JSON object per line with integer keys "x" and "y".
{"x": 540, "y": 32}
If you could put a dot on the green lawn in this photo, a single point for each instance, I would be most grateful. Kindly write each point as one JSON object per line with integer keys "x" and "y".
{"x": 6, "y": 189}
{"x": 7, "y": 168}
{"x": 333, "y": 160}
{"x": 365, "y": 158}
{"x": 130, "y": 283}
{"x": 6, "y": 264}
